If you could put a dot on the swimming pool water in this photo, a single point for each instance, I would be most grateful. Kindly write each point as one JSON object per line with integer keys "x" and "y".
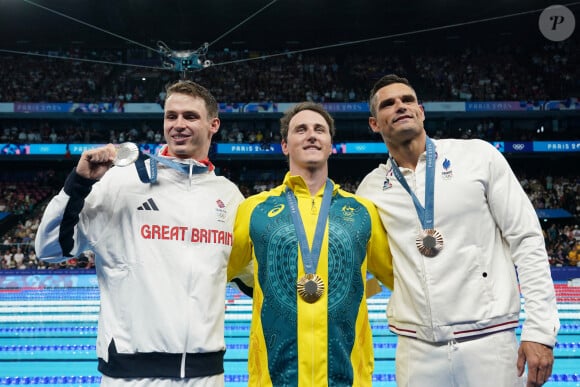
{"x": 47, "y": 336}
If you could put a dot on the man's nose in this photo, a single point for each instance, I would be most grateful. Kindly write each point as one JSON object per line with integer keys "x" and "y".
{"x": 400, "y": 106}
{"x": 180, "y": 122}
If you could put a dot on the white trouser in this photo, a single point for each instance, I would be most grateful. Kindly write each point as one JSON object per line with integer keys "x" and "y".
{"x": 209, "y": 381}
{"x": 488, "y": 360}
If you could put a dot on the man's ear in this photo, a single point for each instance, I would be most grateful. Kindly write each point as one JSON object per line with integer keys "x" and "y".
{"x": 373, "y": 124}
{"x": 215, "y": 125}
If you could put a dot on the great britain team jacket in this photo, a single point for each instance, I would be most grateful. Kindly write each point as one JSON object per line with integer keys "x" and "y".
{"x": 161, "y": 253}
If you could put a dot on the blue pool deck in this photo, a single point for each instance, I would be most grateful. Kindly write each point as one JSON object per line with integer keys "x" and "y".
{"x": 47, "y": 334}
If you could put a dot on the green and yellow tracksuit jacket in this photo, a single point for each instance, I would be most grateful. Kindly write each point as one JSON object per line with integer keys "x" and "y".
{"x": 293, "y": 342}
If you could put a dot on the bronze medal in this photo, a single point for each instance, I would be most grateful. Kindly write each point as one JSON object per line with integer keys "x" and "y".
{"x": 429, "y": 242}
{"x": 310, "y": 288}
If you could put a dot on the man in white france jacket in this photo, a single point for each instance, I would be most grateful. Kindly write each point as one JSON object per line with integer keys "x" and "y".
{"x": 162, "y": 235}
{"x": 460, "y": 228}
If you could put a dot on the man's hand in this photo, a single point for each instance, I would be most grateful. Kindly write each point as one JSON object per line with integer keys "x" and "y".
{"x": 95, "y": 163}
{"x": 540, "y": 359}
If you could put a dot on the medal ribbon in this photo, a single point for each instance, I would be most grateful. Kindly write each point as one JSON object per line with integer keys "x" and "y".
{"x": 190, "y": 168}
{"x": 425, "y": 214}
{"x": 310, "y": 257}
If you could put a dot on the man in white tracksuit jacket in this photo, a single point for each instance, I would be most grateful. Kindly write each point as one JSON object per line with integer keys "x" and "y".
{"x": 161, "y": 249}
{"x": 457, "y": 238}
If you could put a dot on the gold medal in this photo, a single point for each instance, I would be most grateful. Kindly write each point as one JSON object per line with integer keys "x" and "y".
{"x": 429, "y": 242}
{"x": 310, "y": 288}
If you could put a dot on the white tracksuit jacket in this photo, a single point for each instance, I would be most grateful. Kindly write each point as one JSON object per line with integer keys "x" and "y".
{"x": 490, "y": 229}
{"x": 161, "y": 254}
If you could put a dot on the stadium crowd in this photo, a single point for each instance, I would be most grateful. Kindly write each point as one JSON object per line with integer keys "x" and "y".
{"x": 496, "y": 72}
{"x": 530, "y": 74}
{"x": 29, "y": 200}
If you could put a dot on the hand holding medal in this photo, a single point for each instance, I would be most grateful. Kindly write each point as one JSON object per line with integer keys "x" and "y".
{"x": 128, "y": 154}
{"x": 95, "y": 162}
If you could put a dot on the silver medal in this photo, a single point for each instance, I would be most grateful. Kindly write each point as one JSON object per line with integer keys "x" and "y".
{"x": 127, "y": 154}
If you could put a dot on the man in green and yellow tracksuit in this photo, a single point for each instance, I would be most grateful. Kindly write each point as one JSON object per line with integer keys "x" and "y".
{"x": 310, "y": 244}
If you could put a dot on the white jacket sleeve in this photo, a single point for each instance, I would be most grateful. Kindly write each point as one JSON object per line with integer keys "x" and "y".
{"x": 522, "y": 233}
{"x": 58, "y": 237}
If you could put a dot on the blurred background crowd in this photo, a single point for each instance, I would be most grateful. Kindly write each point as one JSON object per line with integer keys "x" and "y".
{"x": 530, "y": 74}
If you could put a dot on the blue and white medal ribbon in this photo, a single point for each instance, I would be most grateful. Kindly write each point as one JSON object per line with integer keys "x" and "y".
{"x": 128, "y": 153}
{"x": 429, "y": 241}
{"x": 310, "y": 287}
